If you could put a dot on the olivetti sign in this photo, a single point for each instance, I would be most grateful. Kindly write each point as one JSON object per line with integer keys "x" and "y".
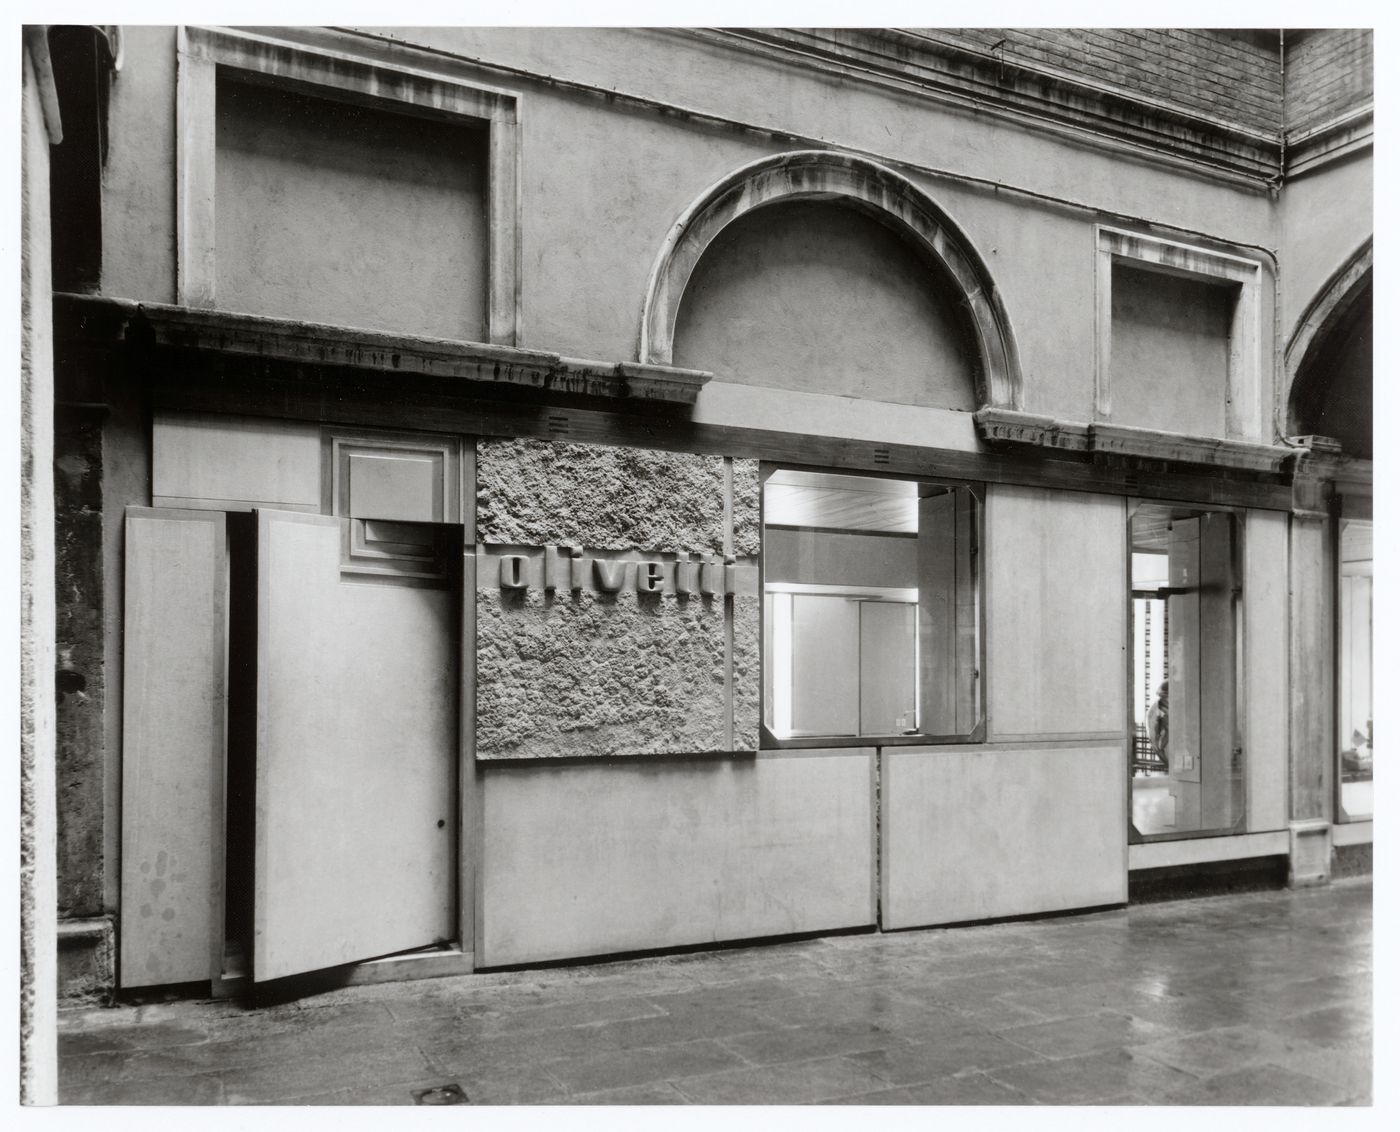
{"x": 553, "y": 568}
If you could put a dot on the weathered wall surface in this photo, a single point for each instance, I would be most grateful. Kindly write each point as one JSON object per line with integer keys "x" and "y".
{"x": 815, "y": 296}
{"x": 1318, "y": 238}
{"x": 580, "y": 671}
{"x": 80, "y": 680}
{"x": 138, "y": 182}
{"x": 590, "y": 228}
{"x": 337, "y": 213}
{"x": 38, "y": 1027}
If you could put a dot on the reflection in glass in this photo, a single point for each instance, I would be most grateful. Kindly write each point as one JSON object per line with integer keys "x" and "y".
{"x": 1187, "y": 763}
{"x": 870, "y": 607}
{"x": 1354, "y": 710}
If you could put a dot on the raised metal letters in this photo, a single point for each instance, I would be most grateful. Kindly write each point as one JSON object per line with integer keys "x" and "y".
{"x": 651, "y": 577}
{"x": 563, "y": 566}
{"x": 515, "y": 572}
{"x": 611, "y": 574}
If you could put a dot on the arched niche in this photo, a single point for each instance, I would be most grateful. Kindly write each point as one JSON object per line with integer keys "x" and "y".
{"x": 958, "y": 274}
{"x": 1328, "y": 362}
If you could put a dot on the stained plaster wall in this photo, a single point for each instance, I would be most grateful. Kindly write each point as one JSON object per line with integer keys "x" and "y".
{"x": 1317, "y": 236}
{"x": 591, "y": 673}
{"x": 602, "y": 182}
{"x": 814, "y": 296}
{"x": 319, "y": 202}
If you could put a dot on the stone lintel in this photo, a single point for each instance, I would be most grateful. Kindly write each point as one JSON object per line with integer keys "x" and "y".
{"x": 166, "y": 327}
{"x": 1100, "y": 438}
{"x": 1011, "y": 427}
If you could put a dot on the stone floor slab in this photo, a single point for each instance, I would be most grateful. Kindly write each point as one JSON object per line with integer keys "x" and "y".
{"x": 1263, "y": 998}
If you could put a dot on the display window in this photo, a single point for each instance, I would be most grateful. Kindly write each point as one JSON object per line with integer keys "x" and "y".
{"x": 872, "y": 623}
{"x": 1187, "y": 758}
{"x": 1354, "y": 684}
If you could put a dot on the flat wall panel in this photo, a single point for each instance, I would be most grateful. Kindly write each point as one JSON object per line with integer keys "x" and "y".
{"x": 1266, "y": 670}
{"x": 590, "y": 859}
{"x": 1171, "y": 340}
{"x": 817, "y": 297}
{"x": 975, "y": 833}
{"x": 1056, "y": 612}
{"x": 173, "y": 747}
{"x": 1312, "y": 673}
{"x": 825, "y": 665}
{"x": 236, "y": 462}
{"x": 348, "y": 214}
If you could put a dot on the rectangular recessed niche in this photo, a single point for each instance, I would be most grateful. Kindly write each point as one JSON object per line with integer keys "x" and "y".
{"x": 1178, "y": 329}
{"x": 1171, "y": 351}
{"x": 347, "y": 214}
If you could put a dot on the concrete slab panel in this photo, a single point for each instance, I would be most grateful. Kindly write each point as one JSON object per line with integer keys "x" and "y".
{"x": 976, "y": 833}
{"x": 593, "y": 859}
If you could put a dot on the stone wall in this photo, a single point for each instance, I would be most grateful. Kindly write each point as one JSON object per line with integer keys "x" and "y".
{"x": 585, "y": 670}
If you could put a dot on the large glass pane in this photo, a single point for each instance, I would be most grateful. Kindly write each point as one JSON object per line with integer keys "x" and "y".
{"x": 1354, "y": 709}
{"x": 1187, "y": 763}
{"x": 870, "y": 607}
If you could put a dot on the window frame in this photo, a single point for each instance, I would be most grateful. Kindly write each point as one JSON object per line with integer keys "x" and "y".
{"x": 1352, "y": 509}
{"x": 331, "y": 72}
{"x": 1241, "y": 676}
{"x": 978, "y": 733}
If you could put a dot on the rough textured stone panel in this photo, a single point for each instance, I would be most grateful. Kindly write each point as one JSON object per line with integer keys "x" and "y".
{"x": 605, "y": 498}
{"x": 746, "y": 533}
{"x": 748, "y": 675}
{"x": 598, "y": 674}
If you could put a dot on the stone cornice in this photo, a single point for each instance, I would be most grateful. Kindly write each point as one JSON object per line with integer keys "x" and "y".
{"x": 160, "y": 327}
{"x": 1099, "y": 438}
{"x": 1330, "y": 141}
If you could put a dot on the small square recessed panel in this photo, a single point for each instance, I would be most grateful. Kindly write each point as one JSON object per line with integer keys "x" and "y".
{"x": 407, "y": 488}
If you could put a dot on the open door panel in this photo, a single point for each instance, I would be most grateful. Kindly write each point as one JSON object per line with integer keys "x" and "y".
{"x": 173, "y": 747}
{"x": 356, "y": 796}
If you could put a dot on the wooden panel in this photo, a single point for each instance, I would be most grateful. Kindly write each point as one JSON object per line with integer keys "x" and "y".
{"x": 971, "y": 834}
{"x": 1266, "y": 670}
{"x": 173, "y": 747}
{"x": 357, "y": 757}
{"x": 1056, "y": 612}
{"x": 591, "y": 859}
{"x": 240, "y": 462}
{"x": 1311, "y": 660}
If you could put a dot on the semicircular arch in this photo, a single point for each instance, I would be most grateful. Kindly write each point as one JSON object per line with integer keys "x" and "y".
{"x": 858, "y": 183}
{"x": 1330, "y": 307}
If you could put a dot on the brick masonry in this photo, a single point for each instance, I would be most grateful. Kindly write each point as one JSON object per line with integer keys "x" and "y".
{"x": 1225, "y": 74}
{"x": 1329, "y": 71}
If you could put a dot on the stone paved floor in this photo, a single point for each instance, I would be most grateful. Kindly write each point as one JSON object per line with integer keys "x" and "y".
{"x": 1262, "y": 998}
